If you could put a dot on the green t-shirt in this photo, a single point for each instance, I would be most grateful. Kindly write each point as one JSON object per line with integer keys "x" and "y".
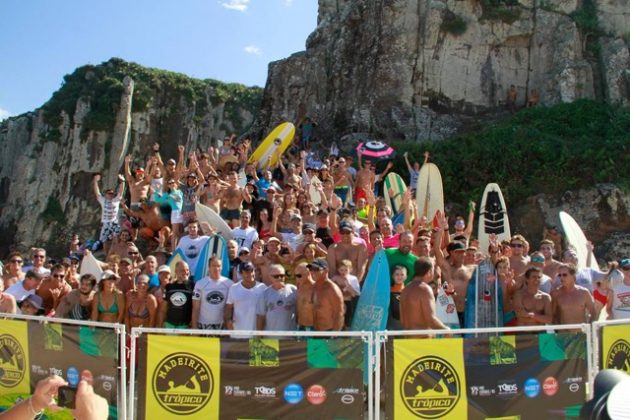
{"x": 395, "y": 257}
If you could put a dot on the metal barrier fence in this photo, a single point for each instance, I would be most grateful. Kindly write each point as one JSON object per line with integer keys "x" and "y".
{"x": 252, "y": 367}
{"x": 66, "y": 341}
{"x": 66, "y": 347}
{"x": 450, "y": 376}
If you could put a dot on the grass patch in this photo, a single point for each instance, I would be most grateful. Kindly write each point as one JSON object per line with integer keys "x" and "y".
{"x": 538, "y": 150}
{"x": 453, "y": 24}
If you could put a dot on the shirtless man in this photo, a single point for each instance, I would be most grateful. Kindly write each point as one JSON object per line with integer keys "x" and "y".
{"x": 454, "y": 272}
{"x": 119, "y": 244}
{"x": 305, "y": 306}
{"x": 347, "y": 250}
{"x": 519, "y": 259}
{"x": 7, "y": 302}
{"x": 138, "y": 184}
{"x": 417, "y": 303}
{"x": 232, "y": 200}
{"x": 511, "y": 98}
{"x": 210, "y": 195}
{"x": 78, "y": 303}
{"x": 272, "y": 256}
{"x": 289, "y": 173}
{"x": 342, "y": 179}
{"x": 572, "y": 304}
{"x": 548, "y": 251}
{"x": 53, "y": 289}
{"x": 532, "y": 306}
{"x": 327, "y": 299}
{"x": 365, "y": 179}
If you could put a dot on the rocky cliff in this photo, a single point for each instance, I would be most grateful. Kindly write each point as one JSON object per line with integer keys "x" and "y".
{"x": 423, "y": 69}
{"x": 101, "y": 113}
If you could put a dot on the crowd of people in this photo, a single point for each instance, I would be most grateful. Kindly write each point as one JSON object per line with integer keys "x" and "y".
{"x": 299, "y": 253}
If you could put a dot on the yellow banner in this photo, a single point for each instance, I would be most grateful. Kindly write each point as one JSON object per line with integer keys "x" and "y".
{"x": 14, "y": 364}
{"x": 183, "y": 377}
{"x": 616, "y": 347}
{"x": 429, "y": 379}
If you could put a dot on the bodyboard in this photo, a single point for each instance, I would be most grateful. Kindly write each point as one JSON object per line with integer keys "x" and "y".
{"x": 394, "y": 188}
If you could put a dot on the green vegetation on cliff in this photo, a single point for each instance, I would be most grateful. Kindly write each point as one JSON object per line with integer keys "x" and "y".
{"x": 103, "y": 86}
{"x": 538, "y": 150}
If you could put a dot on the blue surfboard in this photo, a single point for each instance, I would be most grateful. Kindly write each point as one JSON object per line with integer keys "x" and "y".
{"x": 373, "y": 306}
{"x": 398, "y": 219}
{"x": 177, "y": 256}
{"x": 216, "y": 246}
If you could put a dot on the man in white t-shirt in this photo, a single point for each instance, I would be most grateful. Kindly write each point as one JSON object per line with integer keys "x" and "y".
{"x": 26, "y": 287}
{"x": 245, "y": 235}
{"x": 619, "y": 307}
{"x": 38, "y": 255}
{"x": 209, "y": 298}
{"x": 192, "y": 244}
{"x": 240, "y": 310}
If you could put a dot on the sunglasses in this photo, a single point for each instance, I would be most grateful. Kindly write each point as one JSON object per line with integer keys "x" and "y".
{"x": 17, "y": 261}
{"x": 279, "y": 276}
{"x": 142, "y": 284}
{"x": 516, "y": 245}
{"x": 563, "y": 274}
{"x": 39, "y": 256}
{"x": 58, "y": 276}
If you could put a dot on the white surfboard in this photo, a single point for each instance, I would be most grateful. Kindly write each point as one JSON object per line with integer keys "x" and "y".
{"x": 242, "y": 178}
{"x": 576, "y": 238}
{"x": 493, "y": 217}
{"x": 206, "y": 214}
{"x": 90, "y": 265}
{"x": 429, "y": 194}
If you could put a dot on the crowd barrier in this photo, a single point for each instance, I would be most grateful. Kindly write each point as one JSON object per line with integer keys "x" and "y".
{"x": 34, "y": 347}
{"x": 202, "y": 374}
{"x": 471, "y": 373}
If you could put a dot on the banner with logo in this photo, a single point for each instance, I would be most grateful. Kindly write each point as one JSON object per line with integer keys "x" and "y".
{"x": 199, "y": 377}
{"x": 183, "y": 377}
{"x": 58, "y": 349}
{"x": 615, "y": 351}
{"x": 506, "y": 377}
{"x": 429, "y": 380}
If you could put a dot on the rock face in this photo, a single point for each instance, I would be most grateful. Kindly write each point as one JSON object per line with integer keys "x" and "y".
{"x": 603, "y": 212}
{"x": 419, "y": 69}
{"x": 48, "y": 157}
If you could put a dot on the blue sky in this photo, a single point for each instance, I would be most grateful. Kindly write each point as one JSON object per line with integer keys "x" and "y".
{"x": 228, "y": 40}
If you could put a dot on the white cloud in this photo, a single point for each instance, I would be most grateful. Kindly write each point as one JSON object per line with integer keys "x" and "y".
{"x": 4, "y": 114}
{"x": 238, "y": 5}
{"x": 252, "y": 49}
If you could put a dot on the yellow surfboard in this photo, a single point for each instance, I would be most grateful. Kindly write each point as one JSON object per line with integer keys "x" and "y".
{"x": 279, "y": 139}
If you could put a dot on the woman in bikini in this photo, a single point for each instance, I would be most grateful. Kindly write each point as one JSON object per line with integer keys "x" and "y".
{"x": 109, "y": 303}
{"x": 602, "y": 294}
{"x": 141, "y": 307}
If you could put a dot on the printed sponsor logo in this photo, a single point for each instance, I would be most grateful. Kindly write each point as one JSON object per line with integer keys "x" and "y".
{"x": 507, "y": 388}
{"x": 12, "y": 366}
{"x": 481, "y": 391}
{"x": 107, "y": 386}
{"x": 347, "y": 399}
{"x": 574, "y": 380}
{"x": 351, "y": 391}
{"x": 182, "y": 383}
{"x": 293, "y": 393}
{"x": 532, "y": 388}
{"x": 550, "y": 386}
{"x": 264, "y": 391}
{"x": 38, "y": 370}
{"x": 236, "y": 391}
{"x": 618, "y": 356}
{"x": 574, "y": 387}
{"x": 72, "y": 375}
{"x": 215, "y": 298}
{"x": 430, "y": 387}
{"x": 316, "y": 394}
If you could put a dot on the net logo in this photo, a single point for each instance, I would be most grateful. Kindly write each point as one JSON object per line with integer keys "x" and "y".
{"x": 618, "y": 356}
{"x": 12, "y": 366}
{"x": 72, "y": 374}
{"x": 293, "y": 393}
{"x": 430, "y": 387}
{"x": 550, "y": 386}
{"x": 316, "y": 394}
{"x": 182, "y": 383}
{"x": 532, "y": 388}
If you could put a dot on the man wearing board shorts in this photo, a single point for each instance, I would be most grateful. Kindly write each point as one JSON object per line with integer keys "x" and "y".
{"x": 110, "y": 206}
